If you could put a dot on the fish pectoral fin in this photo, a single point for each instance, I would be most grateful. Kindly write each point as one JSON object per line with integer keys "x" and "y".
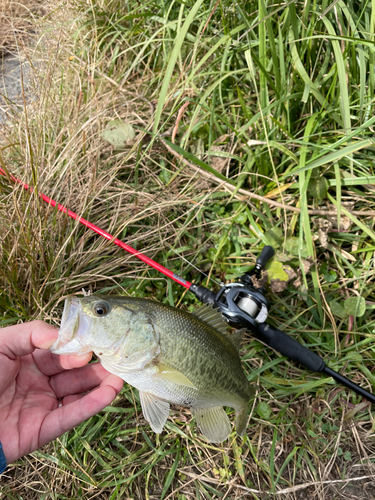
{"x": 213, "y": 423}
{"x": 167, "y": 373}
{"x": 155, "y": 411}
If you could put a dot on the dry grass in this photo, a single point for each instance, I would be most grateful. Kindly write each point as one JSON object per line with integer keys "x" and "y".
{"x": 16, "y": 22}
{"x": 310, "y": 444}
{"x": 56, "y": 142}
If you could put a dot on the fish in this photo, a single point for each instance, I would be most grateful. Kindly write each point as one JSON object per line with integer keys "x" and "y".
{"x": 170, "y": 355}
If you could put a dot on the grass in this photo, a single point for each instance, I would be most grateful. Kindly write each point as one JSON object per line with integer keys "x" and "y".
{"x": 17, "y": 23}
{"x": 272, "y": 99}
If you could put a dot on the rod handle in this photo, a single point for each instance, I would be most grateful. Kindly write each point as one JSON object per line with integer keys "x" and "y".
{"x": 290, "y": 348}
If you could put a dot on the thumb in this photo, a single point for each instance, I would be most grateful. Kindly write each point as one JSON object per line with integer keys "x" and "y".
{"x": 19, "y": 340}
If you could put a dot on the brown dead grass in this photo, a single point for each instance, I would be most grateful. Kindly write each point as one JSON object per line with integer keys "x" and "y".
{"x": 56, "y": 142}
{"x": 16, "y": 21}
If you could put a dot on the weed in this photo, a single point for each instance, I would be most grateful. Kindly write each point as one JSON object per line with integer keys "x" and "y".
{"x": 280, "y": 93}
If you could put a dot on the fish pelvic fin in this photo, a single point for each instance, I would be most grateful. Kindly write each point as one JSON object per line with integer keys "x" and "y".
{"x": 155, "y": 411}
{"x": 241, "y": 420}
{"x": 213, "y": 423}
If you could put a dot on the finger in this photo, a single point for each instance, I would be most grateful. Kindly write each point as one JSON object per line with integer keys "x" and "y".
{"x": 50, "y": 364}
{"x": 19, "y": 340}
{"x": 78, "y": 380}
{"x": 71, "y": 399}
{"x": 66, "y": 417}
{"x": 68, "y": 362}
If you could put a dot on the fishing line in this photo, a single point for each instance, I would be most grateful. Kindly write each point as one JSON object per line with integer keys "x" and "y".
{"x": 192, "y": 265}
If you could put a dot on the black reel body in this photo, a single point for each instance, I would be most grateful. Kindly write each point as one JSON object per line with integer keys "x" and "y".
{"x": 242, "y": 305}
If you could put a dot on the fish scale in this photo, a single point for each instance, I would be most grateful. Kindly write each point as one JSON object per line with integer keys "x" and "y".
{"x": 168, "y": 354}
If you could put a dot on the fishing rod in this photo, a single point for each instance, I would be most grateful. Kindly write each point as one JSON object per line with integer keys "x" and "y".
{"x": 242, "y": 304}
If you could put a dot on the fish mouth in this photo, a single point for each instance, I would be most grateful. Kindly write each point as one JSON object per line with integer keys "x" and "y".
{"x": 74, "y": 327}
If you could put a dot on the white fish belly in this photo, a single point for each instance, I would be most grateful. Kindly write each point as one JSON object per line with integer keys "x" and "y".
{"x": 145, "y": 381}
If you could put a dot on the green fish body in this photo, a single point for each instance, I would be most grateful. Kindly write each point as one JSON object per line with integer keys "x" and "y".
{"x": 169, "y": 355}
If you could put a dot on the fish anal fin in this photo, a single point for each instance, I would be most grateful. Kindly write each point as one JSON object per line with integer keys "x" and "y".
{"x": 212, "y": 317}
{"x": 213, "y": 423}
{"x": 155, "y": 411}
{"x": 236, "y": 337}
{"x": 167, "y": 373}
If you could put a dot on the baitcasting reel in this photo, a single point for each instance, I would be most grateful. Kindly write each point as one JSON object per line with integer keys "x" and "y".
{"x": 242, "y": 304}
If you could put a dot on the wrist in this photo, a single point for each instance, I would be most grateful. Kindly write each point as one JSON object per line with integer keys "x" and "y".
{"x": 3, "y": 462}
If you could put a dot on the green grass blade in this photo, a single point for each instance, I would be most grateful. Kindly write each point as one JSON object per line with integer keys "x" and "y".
{"x": 344, "y": 97}
{"x": 198, "y": 162}
{"x": 171, "y": 474}
{"x": 180, "y": 37}
{"x": 334, "y": 156}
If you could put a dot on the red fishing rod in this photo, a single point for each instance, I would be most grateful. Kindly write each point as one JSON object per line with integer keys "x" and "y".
{"x": 241, "y": 303}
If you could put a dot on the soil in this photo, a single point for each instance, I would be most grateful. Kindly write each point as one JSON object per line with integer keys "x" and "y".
{"x": 12, "y": 69}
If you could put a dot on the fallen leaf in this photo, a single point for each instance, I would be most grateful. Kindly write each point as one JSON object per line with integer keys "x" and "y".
{"x": 323, "y": 226}
{"x": 279, "y": 275}
{"x": 274, "y": 193}
{"x": 217, "y": 161}
{"x": 345, "y": 222}
{"x": 344, "y": 253}
{"x": 118, "y": 133}
{"x": 258, "y": 283}
{"x": 306, "y": 267}
{"x": 298, "y": 282}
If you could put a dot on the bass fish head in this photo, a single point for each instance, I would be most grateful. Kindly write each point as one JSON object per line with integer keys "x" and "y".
{"x": 117, "y": 331}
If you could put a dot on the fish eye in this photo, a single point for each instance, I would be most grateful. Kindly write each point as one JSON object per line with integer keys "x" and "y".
{"x": 101, "y": 308}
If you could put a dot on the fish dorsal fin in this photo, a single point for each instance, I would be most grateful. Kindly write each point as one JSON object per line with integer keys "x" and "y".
{"x": 155, "y": 411}
{"x": 213, "y": 423}
{"x": 212, "y": 317}
{"x": 236, "y": 337}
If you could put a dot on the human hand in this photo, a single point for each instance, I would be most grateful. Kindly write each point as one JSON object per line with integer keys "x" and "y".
{"x": 34, "y": 382}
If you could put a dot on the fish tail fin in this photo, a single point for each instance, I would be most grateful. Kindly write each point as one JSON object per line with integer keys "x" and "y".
{"x": 241, "y": 413}
{"x": 241, "y": 420}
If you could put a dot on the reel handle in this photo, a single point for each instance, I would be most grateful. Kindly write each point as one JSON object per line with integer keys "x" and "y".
{"x": 266, "y": 254}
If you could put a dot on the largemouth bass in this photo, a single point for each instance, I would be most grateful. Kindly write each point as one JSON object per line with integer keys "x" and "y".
{"x": 169, "y": 355}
